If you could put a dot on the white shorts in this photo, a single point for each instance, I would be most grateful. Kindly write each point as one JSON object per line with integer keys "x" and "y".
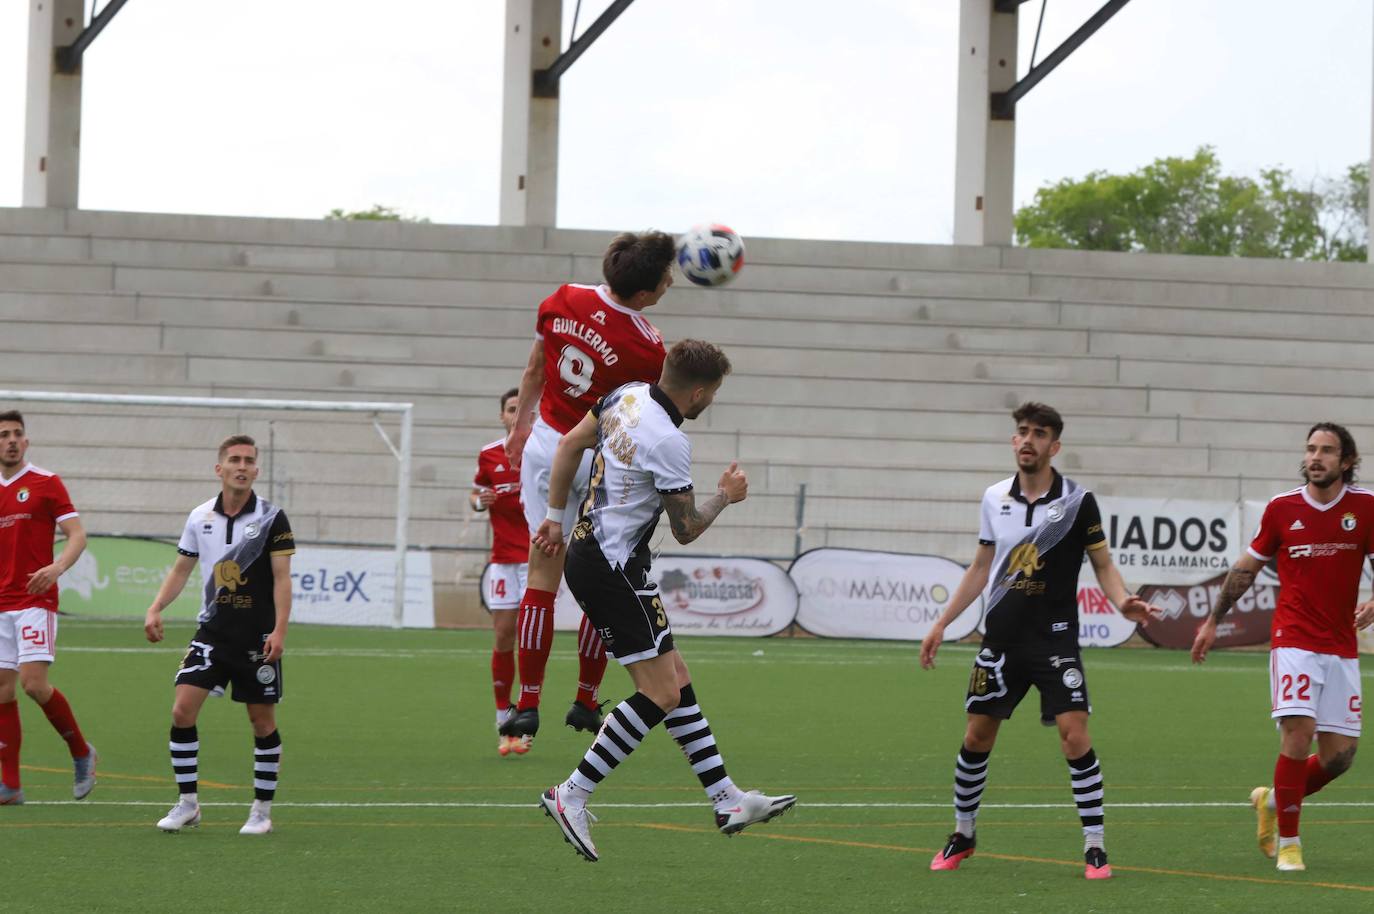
{"x": 536, "y": 464}
{"x": 1324, "y": 686}
{"x": 27, "y": 636}
{"x": 503, "y": 586}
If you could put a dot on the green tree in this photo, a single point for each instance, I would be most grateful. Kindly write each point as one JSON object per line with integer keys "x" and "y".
{"x": 1188, "y": 206}
{"x": 377, "y": 213}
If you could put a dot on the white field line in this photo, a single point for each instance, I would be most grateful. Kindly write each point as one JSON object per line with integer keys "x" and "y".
{"x": 801, "y": 805}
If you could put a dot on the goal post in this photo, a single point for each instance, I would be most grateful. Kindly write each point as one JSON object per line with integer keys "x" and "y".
{"x": 181, "y": 429}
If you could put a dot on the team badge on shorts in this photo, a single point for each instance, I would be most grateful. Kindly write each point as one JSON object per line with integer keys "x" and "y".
{"x": 1348, "y": 522}
{"x": 266, "y": 675}
{"x": 1072, "y": 678}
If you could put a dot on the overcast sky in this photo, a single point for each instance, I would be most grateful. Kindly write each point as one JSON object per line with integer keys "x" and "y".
{"x": 793, "y": 118}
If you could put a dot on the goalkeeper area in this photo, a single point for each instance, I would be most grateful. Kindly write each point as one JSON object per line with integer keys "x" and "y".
{"x": 393, "y": 798}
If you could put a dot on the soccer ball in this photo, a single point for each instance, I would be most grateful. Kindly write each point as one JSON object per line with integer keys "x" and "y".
{"x": 710, "y": 255}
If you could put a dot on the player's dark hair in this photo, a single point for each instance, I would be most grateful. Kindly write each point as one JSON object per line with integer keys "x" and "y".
{"x": 693, "y": 362}
{"x": 12, "y": 415}
{"x": 234, "y": 440}
{"x": 636, "y": 262}
{"x": 1348, "y": 449}
{"x": 513, "y": 392}
{"x": 1041, "y": 415}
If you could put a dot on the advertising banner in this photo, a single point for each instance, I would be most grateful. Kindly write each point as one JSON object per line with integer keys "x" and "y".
{"x": 119, "y": 576}
{"x": 1185, "y": 606}
{"x": 1099, "y": 624}
{"x": 1172, "y": 541}
{"x": 711, "y": 596}
{"x": 853, "y": 593}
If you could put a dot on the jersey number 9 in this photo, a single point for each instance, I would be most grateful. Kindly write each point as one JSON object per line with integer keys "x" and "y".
{"x": 576, "y": 367}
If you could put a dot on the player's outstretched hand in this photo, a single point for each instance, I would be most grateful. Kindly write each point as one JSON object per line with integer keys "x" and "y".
{"x": 1364, "y": 615}
{"x": 152, "y": 626}
{"x": 734, "y": 483}
{"x": 1140, "y": 612}
{"x": 930, "y": 644}
{"x": 44, "y": 578}
{"x": 1206, "y": 637}
{"x": 274, "y": 646}
{"x": 548, "y": 539}
{"x": 515, "y": 446}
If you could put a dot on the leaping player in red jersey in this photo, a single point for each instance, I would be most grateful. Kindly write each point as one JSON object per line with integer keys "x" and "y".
{"x": 1321, "y": 534}
{"x": 33, "y": 503}
{"x": 589, "y": 340}
{"x": 496, "y": 490}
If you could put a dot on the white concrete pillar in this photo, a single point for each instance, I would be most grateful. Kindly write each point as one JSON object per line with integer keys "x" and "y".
{"x": 985, "y": 150}
{"x": 529, "y": 126}
{"x": 52, "y": 111}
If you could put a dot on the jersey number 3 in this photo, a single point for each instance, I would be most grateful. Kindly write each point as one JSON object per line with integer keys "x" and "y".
{"x": 576, "y": 367}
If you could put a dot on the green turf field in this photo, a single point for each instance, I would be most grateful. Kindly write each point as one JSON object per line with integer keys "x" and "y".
{"x": 393, "y": 798}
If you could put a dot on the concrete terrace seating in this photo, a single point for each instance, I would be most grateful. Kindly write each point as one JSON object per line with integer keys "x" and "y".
{"x": 880, "y": 376}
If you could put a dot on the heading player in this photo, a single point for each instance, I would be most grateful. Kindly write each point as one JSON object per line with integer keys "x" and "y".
{"x": 1321, "y": 534}
{"x": 643, "y": 468}
{"x": 496, "y": 489}
{"x": 244, "y": 545}
{"x": 1034, "y": 529}
{"x": 33, "y": 504}
{"x": 589, "y": 340}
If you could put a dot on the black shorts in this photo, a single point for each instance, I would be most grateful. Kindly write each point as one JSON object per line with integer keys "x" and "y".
{"x": 1001, "y": 678}
{"x": 213, "y": 665}
{"x": 623, "y": 603}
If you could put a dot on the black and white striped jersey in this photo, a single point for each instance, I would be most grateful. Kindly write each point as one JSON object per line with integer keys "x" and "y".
{"x": 641, "y": 455}
{"x": 237, "y": 603}
{"x": 1032, "y": 591}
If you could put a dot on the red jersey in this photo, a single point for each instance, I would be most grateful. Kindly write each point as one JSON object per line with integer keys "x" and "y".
{"x": 1321, "y": 551}
{"x": 32, "y": 504}
{"x": 510, "y": 540}
{"x": 591, "y": 347}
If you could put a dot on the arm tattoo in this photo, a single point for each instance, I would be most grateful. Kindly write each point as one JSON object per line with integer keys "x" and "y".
{"x": 1233, "y": 588}
{"x": 687, "y": 520}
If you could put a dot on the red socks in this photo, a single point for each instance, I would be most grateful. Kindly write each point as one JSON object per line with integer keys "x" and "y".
{"x": 59, "y": 714}
{"x": 502, "y": 677}
{"x": 10, "y": 738}
{"x": 591, "y": 663}
{"x": 1290, "y": 782}
{"x": 534, "y": 634}
{"x": 1317, "y": 778}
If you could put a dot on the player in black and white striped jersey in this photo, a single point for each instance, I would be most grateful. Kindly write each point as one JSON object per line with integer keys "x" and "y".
{"x": 244, "y": 546}
{"x": 643, "y": 467}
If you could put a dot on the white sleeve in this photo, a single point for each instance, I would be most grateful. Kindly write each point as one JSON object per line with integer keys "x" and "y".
{"x": 670, "y": 462}
{"x": 188, "y": 544}
{"x": 986, "y": 535}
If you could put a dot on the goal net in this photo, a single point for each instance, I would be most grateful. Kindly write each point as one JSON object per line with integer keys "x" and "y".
{"x": 136, "y": 465}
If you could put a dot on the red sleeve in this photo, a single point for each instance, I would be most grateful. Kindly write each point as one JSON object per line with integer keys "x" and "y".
{"x": 546, "y": 314}
{"x": 1265, "y": 545}
{"x": 482, "y": 478}
{"x": 61, "y": 501}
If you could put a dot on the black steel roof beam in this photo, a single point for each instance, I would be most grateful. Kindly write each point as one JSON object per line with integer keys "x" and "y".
{"x": 1004, "y": 103}
{"x": 1007, "y": 6}
{"x": 546, "y": 81}
{"x": 69, "y": 56}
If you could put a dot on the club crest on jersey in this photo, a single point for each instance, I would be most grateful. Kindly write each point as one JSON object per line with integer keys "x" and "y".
{"x": 600, "y": 318}
{"x": 252, "y": 530}
{"x": 1055, "y": 513}
{"x": 22, "y": 495}
{"x": 1348, "y": 522}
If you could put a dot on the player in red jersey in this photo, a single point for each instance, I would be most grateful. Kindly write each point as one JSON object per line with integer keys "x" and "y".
{"x": 589, "y": 340}
{"x": 33, "y": 504}
{"x": 1321, "y": 535}
{"x": 496, "y": 489}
